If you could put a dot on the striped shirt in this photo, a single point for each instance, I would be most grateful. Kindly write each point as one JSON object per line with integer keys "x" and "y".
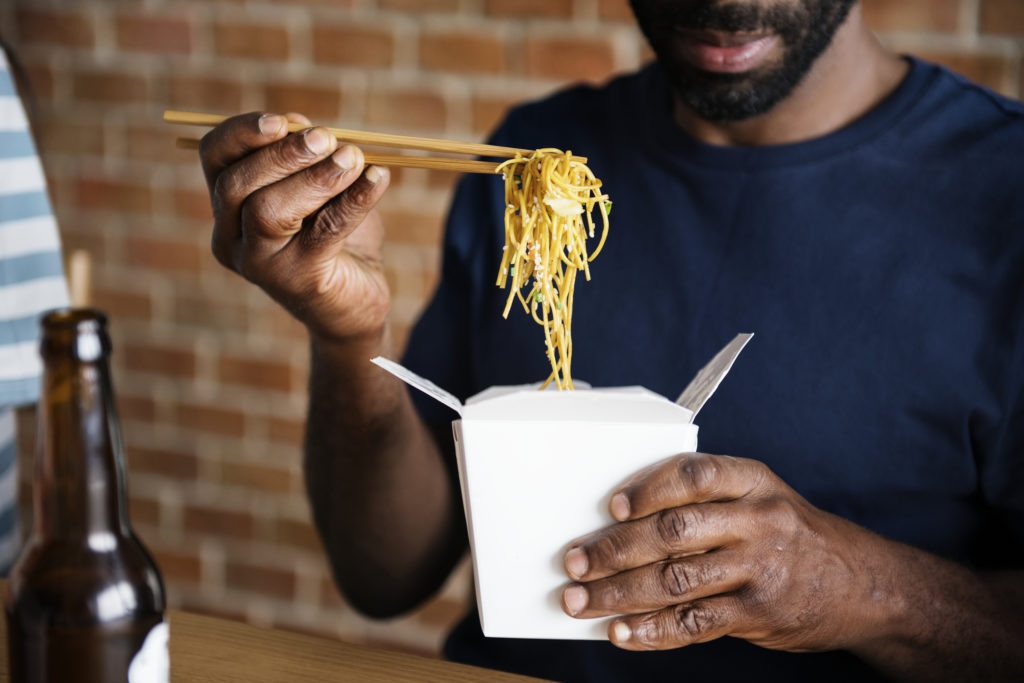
{"x": 31, "y": 281}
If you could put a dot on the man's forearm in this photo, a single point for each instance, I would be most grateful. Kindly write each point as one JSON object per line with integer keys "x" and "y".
{"x": 380, "y": 493}
{"x": 948, "y": 623}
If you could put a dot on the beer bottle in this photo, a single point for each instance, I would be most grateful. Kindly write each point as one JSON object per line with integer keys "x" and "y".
{"x": 85, "y": 601}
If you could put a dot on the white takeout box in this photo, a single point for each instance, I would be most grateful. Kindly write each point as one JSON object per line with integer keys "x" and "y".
{"x": 537, "y": 469}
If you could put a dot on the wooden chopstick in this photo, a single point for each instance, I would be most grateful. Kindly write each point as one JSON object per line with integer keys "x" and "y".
{"x": 408, "y": 161}
{"x": 367, "y": 138}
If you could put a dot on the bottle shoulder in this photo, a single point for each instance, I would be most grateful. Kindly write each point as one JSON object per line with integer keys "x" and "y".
{"x": 70, "y": 582}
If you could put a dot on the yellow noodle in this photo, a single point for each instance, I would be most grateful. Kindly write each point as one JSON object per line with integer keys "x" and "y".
{"x": 549, "y": 197}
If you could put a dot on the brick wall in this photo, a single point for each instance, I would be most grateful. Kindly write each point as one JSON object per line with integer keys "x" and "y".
{"x": 210, "y": 375}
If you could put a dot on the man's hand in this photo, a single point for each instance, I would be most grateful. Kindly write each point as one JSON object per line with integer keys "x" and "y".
{"x": 709, "y": 546}
{"x": 294, "y": 214}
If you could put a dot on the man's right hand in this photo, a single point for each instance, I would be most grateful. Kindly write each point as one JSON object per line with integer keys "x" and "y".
{"x": 295, "y": 215}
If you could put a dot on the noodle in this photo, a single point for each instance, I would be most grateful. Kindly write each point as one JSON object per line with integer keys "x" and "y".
{"x": 549, "y": 198}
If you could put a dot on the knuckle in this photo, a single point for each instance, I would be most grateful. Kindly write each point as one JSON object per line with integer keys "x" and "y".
{"x": 255, "y": 211}
{"x": 679, "y": 578}
{"x": 694, "y": 621}
{"x": 781, "y": 514}
{"x": 230, "y": 185}
{"x": 698, "y": 473}
{"x": 675, "y": 524}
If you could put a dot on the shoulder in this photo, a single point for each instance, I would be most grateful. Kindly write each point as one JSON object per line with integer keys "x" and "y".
{"x": 952, "y": 113}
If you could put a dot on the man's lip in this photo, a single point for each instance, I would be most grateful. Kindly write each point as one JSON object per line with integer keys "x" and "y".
{"x": 725, "y": 52}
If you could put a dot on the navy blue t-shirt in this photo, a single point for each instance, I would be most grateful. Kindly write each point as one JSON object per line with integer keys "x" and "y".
{"x": 882, "y": 270}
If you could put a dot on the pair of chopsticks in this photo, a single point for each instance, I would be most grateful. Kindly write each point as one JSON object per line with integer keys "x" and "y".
{"x": 382, "y": 140}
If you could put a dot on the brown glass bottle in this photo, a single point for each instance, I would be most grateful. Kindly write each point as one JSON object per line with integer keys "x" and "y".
{"x": 85, "y": 601}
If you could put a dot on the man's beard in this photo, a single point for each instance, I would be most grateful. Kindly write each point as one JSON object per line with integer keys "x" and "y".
{"x": 805, "y": 29}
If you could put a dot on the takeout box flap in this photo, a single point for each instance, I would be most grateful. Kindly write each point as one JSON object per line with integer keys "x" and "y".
{"x": 637, "y": 404}
{"x": 525, "y": 402}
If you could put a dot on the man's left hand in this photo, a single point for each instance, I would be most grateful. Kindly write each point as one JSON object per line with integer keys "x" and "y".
{"x": 708, "y": 546}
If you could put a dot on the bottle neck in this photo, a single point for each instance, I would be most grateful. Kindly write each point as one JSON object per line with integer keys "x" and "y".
{"x": 79, "y": 489}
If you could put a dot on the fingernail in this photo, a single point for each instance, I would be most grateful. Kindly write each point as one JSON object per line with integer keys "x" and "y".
{"x": 619, "y": 507}
{"x": 621, "y": 632}
{"x": 345, "y": 158}
{"x": 576, "y": 563}
{"x": 317, "y": 140}
{"x": 271, "y": 124}
{"x": 575, "y": 599}
{"x": 373, "y": 175}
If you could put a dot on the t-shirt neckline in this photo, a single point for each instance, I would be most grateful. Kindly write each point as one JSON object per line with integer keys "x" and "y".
{"x": 667, "y": 139}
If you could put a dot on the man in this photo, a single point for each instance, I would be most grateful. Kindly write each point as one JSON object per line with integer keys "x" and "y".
{"x": 777, "y": 171}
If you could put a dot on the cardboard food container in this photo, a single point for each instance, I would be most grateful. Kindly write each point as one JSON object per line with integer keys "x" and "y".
{"x": 537, "y": 469}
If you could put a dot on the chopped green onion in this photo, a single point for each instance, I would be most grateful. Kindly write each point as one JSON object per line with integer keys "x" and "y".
{"x": 607, "y": 206}
{"x": 539, "y": 297}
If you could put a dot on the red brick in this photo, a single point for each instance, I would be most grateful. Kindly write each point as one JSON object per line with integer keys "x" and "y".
{"x": 488, "y": 112}
{"x": 991, "y": 70}
{"x": 256, "y": 373}
{"x": 160, "y": 254}
{"x": 615, "y": 10}
{"x": 202, "y": 312}
{"x": 214, "y": 522}
{"x": 412, "y": 227}
{"x": 153, "y": 34}
{"x": 150, "y": 143}
{"x": 108, "y": 87}
{"x": 58, "y": 134}
{"x": 442, "y": 180}
{"x": 69, "y": 29}
{"x": 256, "y": 41}
{"x": 122, "y": 304}
{"x": 420, "y": 5}
{"x": 166, "y": 463}
{"x": 108, "y": 194}
{"x": 529, "y": 8}
{"x": 297, "y": 533}
{"x": 257, "y": 477}
{"x": 141, "y": 408}
{"x": 912, "y": 15}
{"x": 417, "y": 110}
{"x": 143, "y": 511}
{"x": 159, "y": 360}
{"x": 178, "y": 566}
{"x": 209, "y": 419}
{"x": 569, "y": 58}
{"x": 41, "y": 81}
{"x": 442, "y": 613}
{"x": 463, "y": 52}
{"x": 1004, "y": 17}
{"x": 334, "y": 4}
{"x": 285, "y": 431}
{"x": 208, "y": 94}
{"x": 320, "y": 104}
{"x": 268, "y": 581}
{"x": 352, "y": 46}
{"x": 193, "y": 203}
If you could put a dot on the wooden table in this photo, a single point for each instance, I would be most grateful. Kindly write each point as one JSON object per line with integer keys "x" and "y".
{"x": 211, "y": 650}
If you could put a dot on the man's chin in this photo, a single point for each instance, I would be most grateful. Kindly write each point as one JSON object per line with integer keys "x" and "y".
{"x": 728, "y": 97}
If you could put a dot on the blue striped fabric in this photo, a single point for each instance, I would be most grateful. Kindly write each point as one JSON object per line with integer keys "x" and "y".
{"x": 31, "y": 281}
